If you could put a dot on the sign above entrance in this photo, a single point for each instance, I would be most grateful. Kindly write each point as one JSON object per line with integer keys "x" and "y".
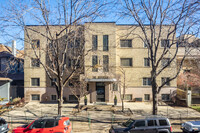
{"x": 100, "y": 80}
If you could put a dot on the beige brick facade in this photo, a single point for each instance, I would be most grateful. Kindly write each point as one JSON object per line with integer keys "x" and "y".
{"x": 104, "y": 80}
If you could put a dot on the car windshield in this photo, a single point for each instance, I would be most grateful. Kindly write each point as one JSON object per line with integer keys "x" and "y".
{"x": 128, "y": 123}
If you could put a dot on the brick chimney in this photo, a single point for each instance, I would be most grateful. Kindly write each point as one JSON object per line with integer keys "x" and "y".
{"x": 14, "y": 47}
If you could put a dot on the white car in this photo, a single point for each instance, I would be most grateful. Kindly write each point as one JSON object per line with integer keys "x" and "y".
{"x": 191, "y": 127}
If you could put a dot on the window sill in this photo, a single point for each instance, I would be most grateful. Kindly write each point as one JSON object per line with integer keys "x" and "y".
{"x": 126, "y": 47}
{"x": 35, "y": 86}
{"x": 127, "y": 66}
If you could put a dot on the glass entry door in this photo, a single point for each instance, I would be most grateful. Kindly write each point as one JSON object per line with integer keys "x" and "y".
{"x": 100, "y": 89}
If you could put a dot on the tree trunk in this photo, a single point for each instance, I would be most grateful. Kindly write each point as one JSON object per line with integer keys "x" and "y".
{"x": 122, "y": 105}
{"x": 155, "y": 98}
{"x": 155, "y": 103}
{"x": 78, "y": 105}
{"x": 60, "y": 101}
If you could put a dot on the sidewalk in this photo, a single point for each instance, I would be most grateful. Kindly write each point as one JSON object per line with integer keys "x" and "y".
{"x": 95, "y": 121}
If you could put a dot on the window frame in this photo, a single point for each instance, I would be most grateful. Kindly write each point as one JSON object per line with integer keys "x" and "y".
{"x": 94, "y": 41}
{"x": 35, "y": 62}
{"x": 145, "y": 43}
{"x": 115, "y": 87}
{"x": 130, "y": 63}
{"x": 94, "y": 57}
{"x": 163, "y": 120}
{"x": 37, "y": 84}
{"x": 52, "y": 99}
{"x": 148, "y": 97}
{"x": 35, "y": 99}
{"x": 105, "y": 42}
{"x": 127, "y": 95}
{"x": 105, "y": 63}
{"x": 34, "y": 44}
{"x": 165, "y": 99}
{"x": 140, "y": 121}
{"x": 148, "y": 80}
{"x": 164, "y": 79}
{"x": 126, "y": 40}
{"x": 53, "y": 80}
{"x": 147, "y": 64}
{"x": 163, "y": 43}
{"x": 164, "y": 63}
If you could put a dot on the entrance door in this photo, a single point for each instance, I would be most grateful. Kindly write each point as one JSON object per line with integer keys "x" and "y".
{"x": 100, "y": 89}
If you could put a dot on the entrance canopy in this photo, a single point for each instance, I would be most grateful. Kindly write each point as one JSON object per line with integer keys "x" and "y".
{"x": 101, "y": 80}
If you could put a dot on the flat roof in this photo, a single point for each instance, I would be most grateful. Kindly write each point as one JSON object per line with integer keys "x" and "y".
{"x": 5, "y": 79}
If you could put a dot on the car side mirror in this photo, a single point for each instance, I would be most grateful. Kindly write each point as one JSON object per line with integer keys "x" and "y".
{"x": 133, "y": 126}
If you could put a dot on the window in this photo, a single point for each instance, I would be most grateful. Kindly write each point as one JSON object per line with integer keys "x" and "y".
{"x": 115, "y": 87}
{"x": 71, "y": 84}
{"x": 105, "y": 63}
{"x": 88, "y": 86}
{"x": 35, "y": 97}
{"x": 73, "y": 98}
{"x": 126, "y": 43}
{"x": 53, "y": 81}
{"x": 38, "y": 124}
{"x": 146, "y": 62}
{"x": 165, "y": 97}
{"x": 35, "y": 81}
{"x": 146, "y": 44}
{"x": 35, "y": 62}
{"x": 105, "y": 42}
{"x": 94, "y": 63}
{"x": 94, "y": 42}
{"x": 163, "y": 123}
{"x": 53, "y": 97}
{"x": 165, "y": 79}
{"x": 165, "y": 62}
{"x": 139, "y": 124}
{"x": 151, "y": 123}
{"x": 2, "y": 122}
{"x": 165, "y": 43}
{"x": 128, "y": 97}
{"x": 50, "y": 123}
{"x": 146, "y": 97}
{"x": 146, "y": 81}
{"x": 186, "y": 71}
{"x": 126, "y": 61}
{"x": 69, "y": 62}
{"x": 35, "y": 43}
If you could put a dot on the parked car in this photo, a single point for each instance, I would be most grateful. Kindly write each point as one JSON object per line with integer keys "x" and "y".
{"x": 57, "y": 124}
{"x": 149, "y": 124}
{"x": 3, "y": 126}
{"x": 191, "y": 127}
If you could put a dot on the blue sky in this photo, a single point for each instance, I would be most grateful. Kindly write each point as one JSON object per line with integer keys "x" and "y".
{"x": 18, "y": 33}
{"x": 5, "y": 38}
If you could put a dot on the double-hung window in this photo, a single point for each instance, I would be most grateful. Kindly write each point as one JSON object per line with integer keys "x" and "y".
{"x": 105, "y": 42}
{"x": 146, "y": 81}
{"x": 126, "y": 43}
{"x": 127, "y": 62}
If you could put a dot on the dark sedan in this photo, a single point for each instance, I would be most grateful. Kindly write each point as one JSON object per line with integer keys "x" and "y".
{"x": 3, "y": 126}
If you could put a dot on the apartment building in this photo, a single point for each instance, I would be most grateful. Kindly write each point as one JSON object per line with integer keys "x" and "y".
{"x": 114, "y": 54}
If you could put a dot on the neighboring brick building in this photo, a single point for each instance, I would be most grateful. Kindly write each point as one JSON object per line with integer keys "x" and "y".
{"x": 113, "y": 51}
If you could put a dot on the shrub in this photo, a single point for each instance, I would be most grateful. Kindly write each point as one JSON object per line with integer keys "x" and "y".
{"x": 16, "y": 100}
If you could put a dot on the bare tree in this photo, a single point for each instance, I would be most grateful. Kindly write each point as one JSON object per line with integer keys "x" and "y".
{"x": 122, "y": 84}
{"x": 62, "y": 34}
{"x": 158, "y": 20}
{"x": 79, "y": 90}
